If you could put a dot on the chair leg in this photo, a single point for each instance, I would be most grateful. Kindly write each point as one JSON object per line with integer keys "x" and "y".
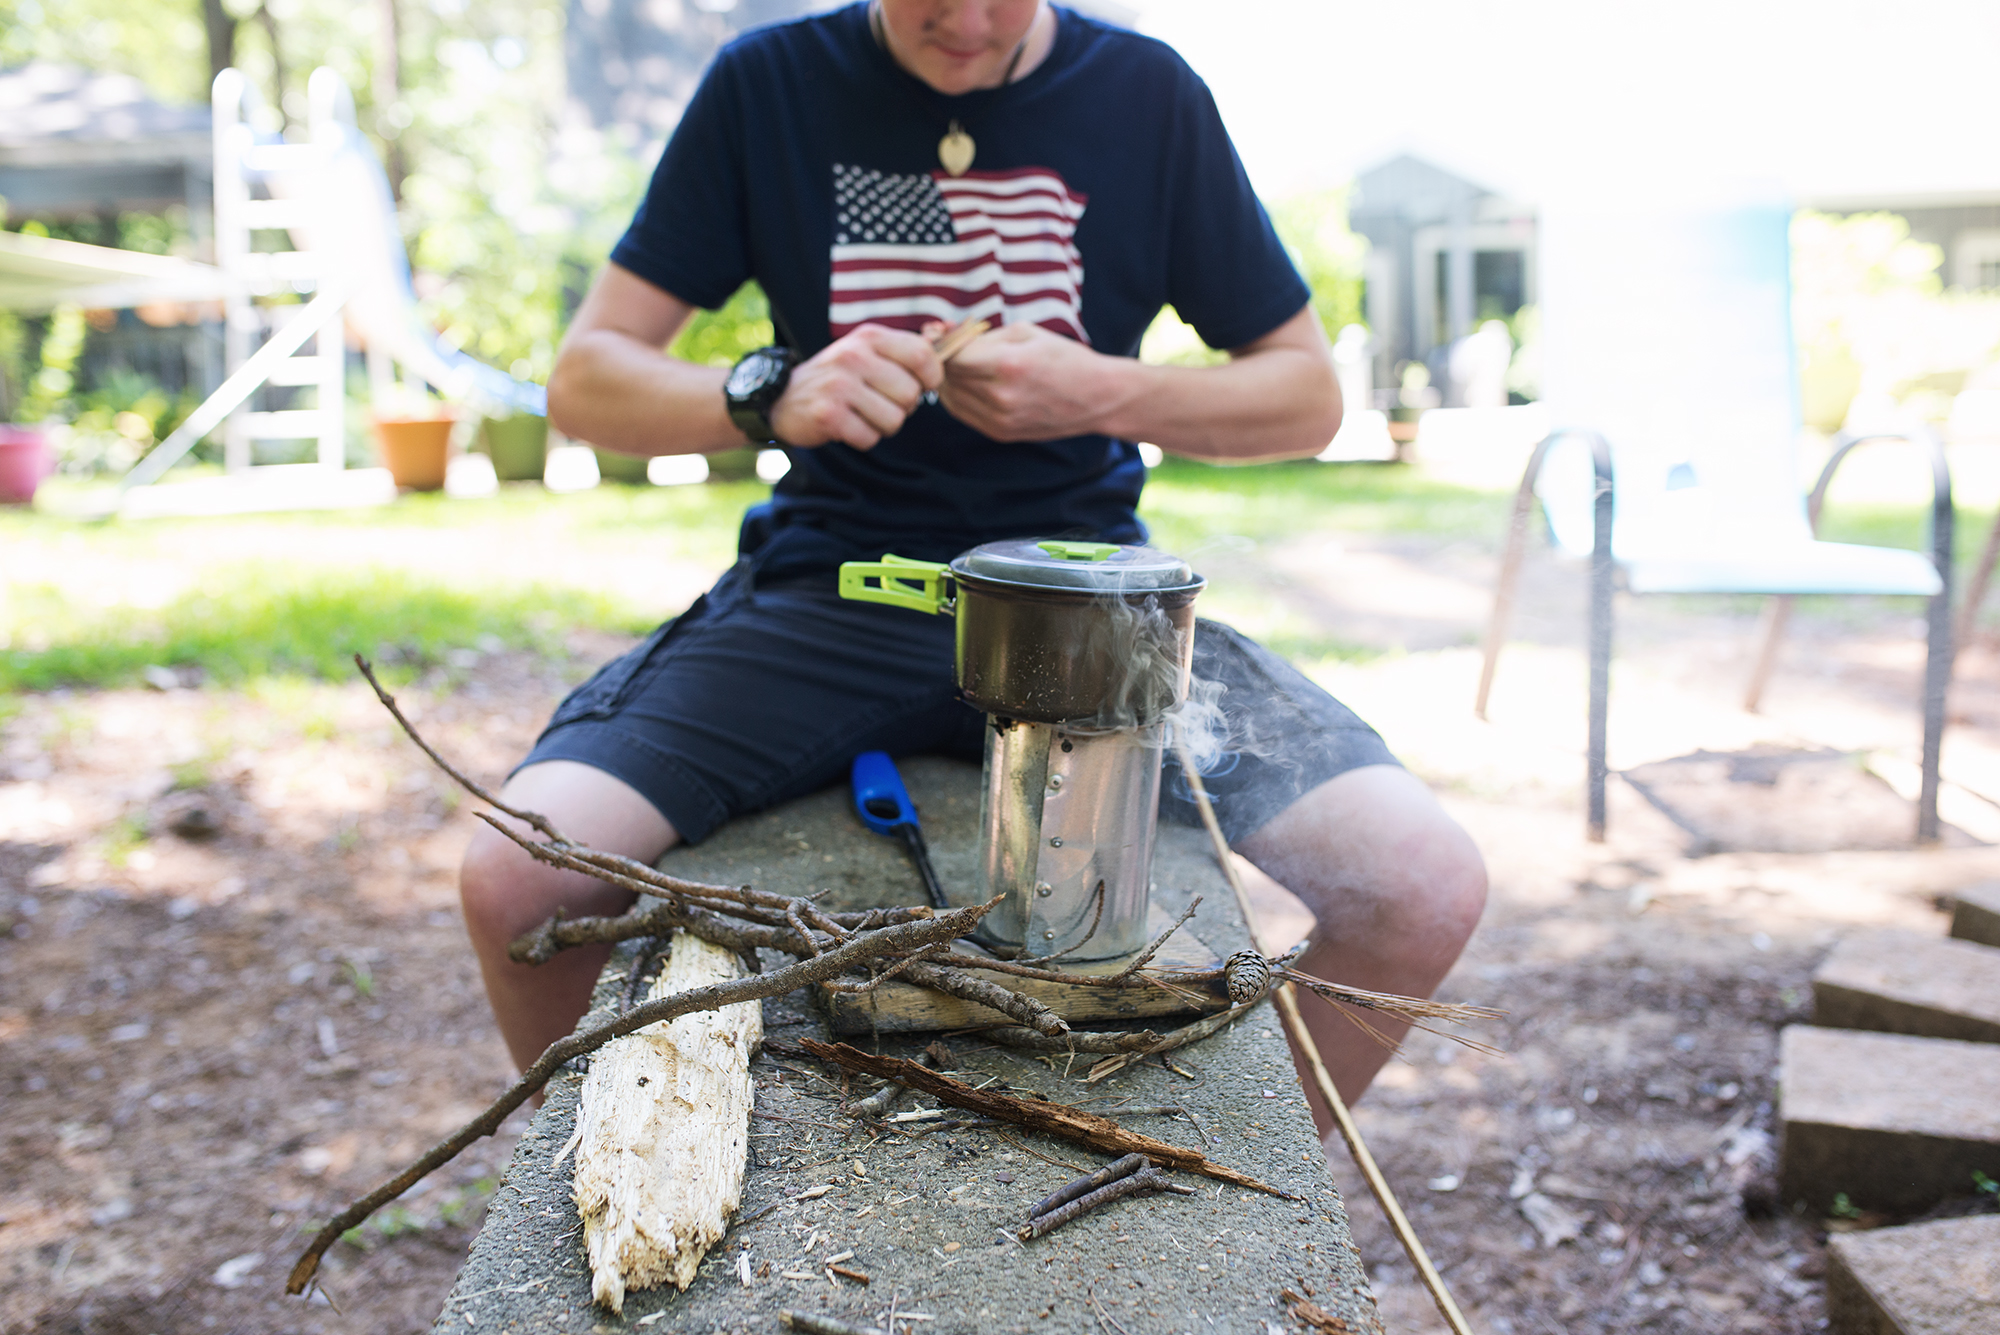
{"x": 1503, "y": 592}
{"x": 1770, "y": 633}
{"x": 1937, "y": 686}
{"x": 1601, "y": 565}
{"x": 1975, "y": 592}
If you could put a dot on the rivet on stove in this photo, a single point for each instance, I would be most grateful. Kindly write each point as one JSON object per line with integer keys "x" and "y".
{"x": 1044, "y": 889}
{"x": 1048, "y": 936}
{"x": 1055, "y": 842}
{"x": 1055, "y": 783}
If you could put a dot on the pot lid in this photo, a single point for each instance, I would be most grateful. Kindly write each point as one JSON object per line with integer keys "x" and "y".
{"x": 1069, "y": 564}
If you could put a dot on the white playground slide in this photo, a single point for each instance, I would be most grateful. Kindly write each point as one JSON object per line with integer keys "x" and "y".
{"x": 330, "y": 195}
{"x": 349, "y": 218}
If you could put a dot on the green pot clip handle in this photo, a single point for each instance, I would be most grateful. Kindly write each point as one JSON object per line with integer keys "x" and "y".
{"x": 899, "y": 582}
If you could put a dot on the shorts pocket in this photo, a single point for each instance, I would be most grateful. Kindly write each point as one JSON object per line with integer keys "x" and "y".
{"x": 611, "y": 686}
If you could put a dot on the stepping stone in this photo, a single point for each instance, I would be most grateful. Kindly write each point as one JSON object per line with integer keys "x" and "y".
{"x": 1940, "y": 1278}
{"x": 1908, "y": 983}
{"x": 1975, "y": 914}
{"x": 1895, "y": 1123}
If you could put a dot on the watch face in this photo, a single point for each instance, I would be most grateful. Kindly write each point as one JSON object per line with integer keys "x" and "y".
{"x": 748, "y": 375}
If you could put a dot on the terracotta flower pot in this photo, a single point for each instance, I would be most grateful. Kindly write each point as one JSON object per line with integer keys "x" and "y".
{"x": 414, "y": 448}
{"x": 25, "y": 459}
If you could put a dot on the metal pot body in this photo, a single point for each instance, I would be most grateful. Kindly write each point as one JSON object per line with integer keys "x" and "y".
{"x": 1070, "y": 656}
{"x": 1065, "y": 816}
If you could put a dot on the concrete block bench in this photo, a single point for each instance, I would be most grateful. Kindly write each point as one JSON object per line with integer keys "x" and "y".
{"x": 928, "y": 1216}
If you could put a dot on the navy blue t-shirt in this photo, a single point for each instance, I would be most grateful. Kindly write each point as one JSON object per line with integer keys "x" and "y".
{"x": 1104, "y": 187}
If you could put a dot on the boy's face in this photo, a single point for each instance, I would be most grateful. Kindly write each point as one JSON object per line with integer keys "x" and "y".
{"x": 956, "y": 46}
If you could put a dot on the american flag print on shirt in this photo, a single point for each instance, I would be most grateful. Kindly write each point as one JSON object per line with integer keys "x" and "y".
{"x": 997, "y": 246}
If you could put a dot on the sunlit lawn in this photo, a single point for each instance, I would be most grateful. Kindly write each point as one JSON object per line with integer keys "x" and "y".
{"x": 294, "y": 595}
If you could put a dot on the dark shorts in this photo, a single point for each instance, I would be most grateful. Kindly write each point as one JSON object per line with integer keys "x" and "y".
{"x": 756, "y": 695}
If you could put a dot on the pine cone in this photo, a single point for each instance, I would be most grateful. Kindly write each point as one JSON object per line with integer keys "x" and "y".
{"x": 1245, "y": 974}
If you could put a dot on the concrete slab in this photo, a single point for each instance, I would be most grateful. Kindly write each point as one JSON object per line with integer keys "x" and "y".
{"x": 1899, "y": 982}
{"x": 1895, "y": 1123}
{"x": 926, "y": 1215}
{"x": 1975, "y": 914}
{"x": 1940, "y": 1278}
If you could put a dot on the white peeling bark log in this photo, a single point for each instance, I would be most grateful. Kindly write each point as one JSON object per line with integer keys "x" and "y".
{"x": 662, "y": 1134}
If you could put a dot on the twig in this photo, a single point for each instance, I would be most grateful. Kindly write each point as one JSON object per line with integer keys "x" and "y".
{"x": 1302, "y": 1039}
{"x": 1178, "y": 1038}
{"x": 904, "y": 937}
{"x": 1413, "y": 1011}
{"x": 1057, "y": 1119}
{"x": 1146, "y": 955}
{"x": 1013, "y": 1036}
{"x": 885, "y": 1098}
{"x": 1030, "y": 1149}
{"x": 636, "y": 979}
{"x": 1014, "y": 1005}
{"x": 954, "y": 340}
{"x": 1088, "y": 1183}
{"x": 1104, "y": 1316}
{"x": 1146, "y": 1179}
{"x": 1084, "y": 940}
{"x": 477, "y": 790}
{"x": 894, "y": 970}
{"x": 813, "y": 1324}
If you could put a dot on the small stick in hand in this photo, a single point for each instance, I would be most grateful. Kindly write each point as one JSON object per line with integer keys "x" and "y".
{"x": 954, "y": 340}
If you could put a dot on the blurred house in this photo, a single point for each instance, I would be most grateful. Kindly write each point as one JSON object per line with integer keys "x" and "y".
{"x": 77, "y": 147}
{"x": 1444, "y": 255}
{"x": 1965, "y": 225}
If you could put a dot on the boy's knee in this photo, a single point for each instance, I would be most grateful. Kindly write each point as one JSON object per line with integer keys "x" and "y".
{"x": 500, "y": 887}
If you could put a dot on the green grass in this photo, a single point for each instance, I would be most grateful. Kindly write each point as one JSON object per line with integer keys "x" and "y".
{"x": 1188, "y": 505}
{"x": 257, "y": 621}
{"x": 275, "y": 622}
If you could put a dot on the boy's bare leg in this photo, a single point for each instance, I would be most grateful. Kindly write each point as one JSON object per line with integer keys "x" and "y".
{"x": 1397, "y": 888}
{"x": 505, "y": 893}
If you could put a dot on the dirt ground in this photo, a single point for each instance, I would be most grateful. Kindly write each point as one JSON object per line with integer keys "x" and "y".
{"x": 234, "y": 991}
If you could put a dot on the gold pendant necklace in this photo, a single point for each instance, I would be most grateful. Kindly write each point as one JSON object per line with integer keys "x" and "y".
{"x": 955, "y": 150}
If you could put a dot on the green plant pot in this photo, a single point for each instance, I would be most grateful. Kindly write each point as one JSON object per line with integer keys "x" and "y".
{"x": 732, "y": 465}
{"x": 626, "y": 468}
{"x": 518, "y": 446}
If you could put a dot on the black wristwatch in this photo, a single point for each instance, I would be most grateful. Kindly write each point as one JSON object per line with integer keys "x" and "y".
{"x": 753, "y": 387}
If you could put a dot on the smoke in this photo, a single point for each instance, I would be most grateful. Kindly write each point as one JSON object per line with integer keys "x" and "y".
{"x": 1145, "y": 647}
{"x": 1149, "y": 649}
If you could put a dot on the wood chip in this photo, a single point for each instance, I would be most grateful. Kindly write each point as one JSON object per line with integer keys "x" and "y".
{"x": 846, "y": 1272}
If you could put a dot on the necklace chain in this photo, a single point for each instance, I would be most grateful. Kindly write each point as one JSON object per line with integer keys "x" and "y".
{"x": 957, "y": 149}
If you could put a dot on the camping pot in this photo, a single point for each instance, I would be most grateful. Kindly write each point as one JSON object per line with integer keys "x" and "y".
{"x": 1075, "y": 651}
{"x": 1090, "y": 634}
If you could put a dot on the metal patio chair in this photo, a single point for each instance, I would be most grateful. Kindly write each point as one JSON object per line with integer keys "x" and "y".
{"x": 1700, "y": 494}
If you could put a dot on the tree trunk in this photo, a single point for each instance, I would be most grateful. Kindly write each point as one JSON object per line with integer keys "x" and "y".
{"x": 388, "y": 91}
{"x": 221, "y": 37}
{"x": 269, "y": 22}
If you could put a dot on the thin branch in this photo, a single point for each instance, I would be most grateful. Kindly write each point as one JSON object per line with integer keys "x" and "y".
{"x": 1013, "y": 1036}
{"x": 389, "y": 703}
{"x": 1147, "y": 954}
{"x": 1013, "y": 1005}
{"x": 1057, "y": 1119}
{"x": 888, "y": 940}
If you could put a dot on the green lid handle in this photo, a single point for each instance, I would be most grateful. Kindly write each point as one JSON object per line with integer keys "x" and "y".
{"x": 1079, "y": 551}
{"x": 894, "y": 577}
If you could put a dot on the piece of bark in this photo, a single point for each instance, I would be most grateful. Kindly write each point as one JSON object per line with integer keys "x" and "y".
{"x": 662, "y": 1134}
{"x": 1057, "y": 1119}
